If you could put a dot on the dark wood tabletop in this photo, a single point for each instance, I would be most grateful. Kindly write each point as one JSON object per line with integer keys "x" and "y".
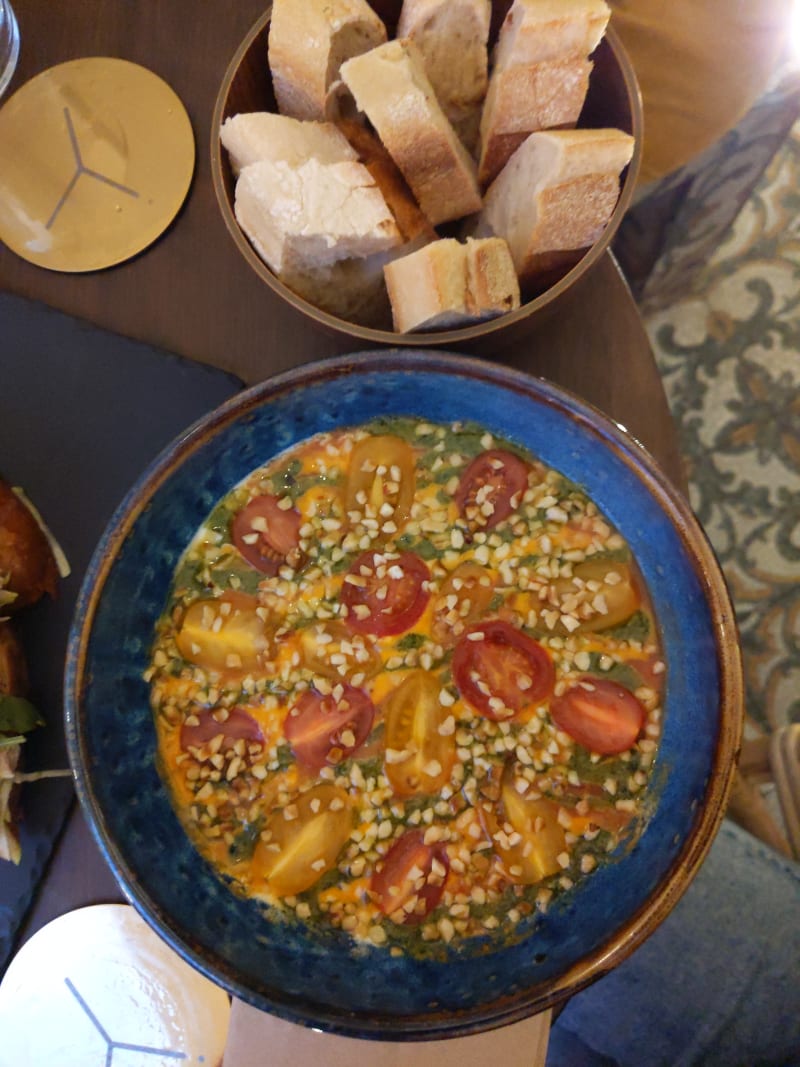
{"x": 192, "y": 293}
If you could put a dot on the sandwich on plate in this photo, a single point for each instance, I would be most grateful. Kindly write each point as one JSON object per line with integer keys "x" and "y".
{"x": 30, "y": 565}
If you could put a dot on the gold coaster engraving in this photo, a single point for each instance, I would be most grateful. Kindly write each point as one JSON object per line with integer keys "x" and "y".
{"x": 97, "y": 157}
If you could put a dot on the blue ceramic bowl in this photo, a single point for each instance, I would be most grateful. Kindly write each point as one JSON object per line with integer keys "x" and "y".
{"x": 323, "y": 980}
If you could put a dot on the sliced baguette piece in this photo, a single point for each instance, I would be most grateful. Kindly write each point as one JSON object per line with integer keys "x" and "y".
{"x": 257, "y": 135}
{"x": 540, "y": 74}
{"x": 447, "y": 284}
{"x": 523, "y": 99}
{"x": 308, "y": 42}
{"x": 351, "y": 289}
{"x": 428, "y": 289}
{"x": 452, "y": 36}
{"x": 312, "y": 215}
{"x": 391, "y": 88}
{"x": 555, "y": 197}
{"x": 411, "y": 220}
{"x": 492, "y": 283}
{"x": 536, "y": 30}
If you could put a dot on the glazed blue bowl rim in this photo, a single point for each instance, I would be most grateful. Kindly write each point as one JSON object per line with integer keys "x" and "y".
{"x": 501, "y": 1010}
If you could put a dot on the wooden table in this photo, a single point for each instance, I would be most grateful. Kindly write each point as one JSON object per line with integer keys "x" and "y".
{"x": 193, "y": 294}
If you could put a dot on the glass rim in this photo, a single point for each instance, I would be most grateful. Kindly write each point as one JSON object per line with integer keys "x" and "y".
{"x": 9, "y": 44}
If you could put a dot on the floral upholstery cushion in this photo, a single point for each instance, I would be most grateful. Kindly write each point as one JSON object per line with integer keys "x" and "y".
{"x": 676, "y": 224}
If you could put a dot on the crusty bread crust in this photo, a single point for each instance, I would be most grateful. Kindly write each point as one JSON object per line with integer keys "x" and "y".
{"x": 448, "y": 284}
{"x": 308, "y": 42}
{"x": 452, "y": 36}
{"x": 492, "y": 283}
{"x": 574, "y": 213}
{"x": 540, "y": 96}
{"x": 258, "y": 135}
{"x": 391, "y": 88}
{"x": 428, "y": 288}
{"x": 555, "y": 195}
{"x": 537, "y": 30}
{"x": 540, "y": 74}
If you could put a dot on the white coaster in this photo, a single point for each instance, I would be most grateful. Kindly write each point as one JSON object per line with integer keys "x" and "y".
{"x": 98, "y": 988}
{"x": 252, "y": 1032}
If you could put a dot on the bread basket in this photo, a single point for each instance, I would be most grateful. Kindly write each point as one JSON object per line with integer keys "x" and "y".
{"x": 613, "y": 100}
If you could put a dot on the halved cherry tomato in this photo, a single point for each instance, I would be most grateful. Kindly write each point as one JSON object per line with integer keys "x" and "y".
{"x": 303, "y": 840}
{"x": 239, "y": 725}
{"x": 650, "y": 668}
{"x": 596, "y": 585}
{"x": 327, "y": 729}
{"x": 418, "y": 758}
{"x": 224, "y": 633}
{"x": 331, "y": 650}
{"x": 524, "y": 832}
{"x": 599, "y": 714}
{"x": 491, "y": 488}
{"x": 499, "y": 670}
{"x": 267, "y": 535}
{"x": 380, "y": 483}
{"x": 462, "y": 599}
{"x": 410, "y": 882}
{"x": 604, "y": 816}
{"x": 385, "y": 594}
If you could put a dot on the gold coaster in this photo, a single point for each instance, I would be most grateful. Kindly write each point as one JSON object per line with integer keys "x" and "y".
{"x": 98, "y": 155}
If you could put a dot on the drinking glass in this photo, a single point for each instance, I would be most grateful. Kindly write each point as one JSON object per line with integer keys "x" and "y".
{"x": 9, "y": 43}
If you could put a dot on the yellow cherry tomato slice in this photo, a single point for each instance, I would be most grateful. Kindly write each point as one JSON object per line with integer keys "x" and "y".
{"x": 462, "y": 600}
{"x": 330, "y": 649}
{"x": 599, "y": 595}
{"x": 525, "y": 833}
{"x": 380, "y": 484}
{"x": 303, "y": 840}
{"x": 224, "y": 633}
{"x": 420, "y": 745}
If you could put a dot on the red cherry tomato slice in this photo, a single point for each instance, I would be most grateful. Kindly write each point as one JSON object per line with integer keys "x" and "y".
{"x": 599, "y": 714}
{"x": 491, "y": 488}
{"x": 410, "y": 883}
{"x": 325, "y": 730}
{"x": 238, "y": 726}
{"x": 499, "y": 670}
{"x": 267, "y": 535}
{"x": 385, "y": 594}
{"x": 650, "y": 669}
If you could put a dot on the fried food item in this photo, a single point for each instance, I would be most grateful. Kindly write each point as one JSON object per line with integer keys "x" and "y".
{"x": 28, "y": 567}
{"x": 30, "y": 564}
{"x": 13, "y": 668}
{"x": 13, "y": 683}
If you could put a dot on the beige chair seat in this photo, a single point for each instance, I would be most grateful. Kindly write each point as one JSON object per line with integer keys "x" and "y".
{"x": 701, "y": 65}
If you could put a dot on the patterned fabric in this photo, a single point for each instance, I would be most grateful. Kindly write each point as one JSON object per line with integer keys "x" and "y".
{"x": 728, "y": 348}
{"x": 678, "y": 223}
